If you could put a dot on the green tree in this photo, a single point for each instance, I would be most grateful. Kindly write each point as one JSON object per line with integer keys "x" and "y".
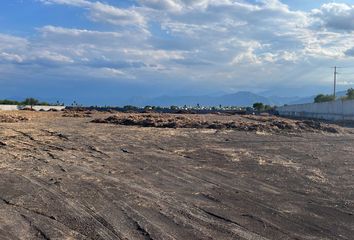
{"x": 324, "y": 98}
{"x": 31, "y": 102}
{"x": 9, "y": 102}
{"x": 350, "y": 93}
{"x": 130, "y": 107}
{"x": 174, "y": 108}
{"x": 268, "y": 108}
{"x": 258, "y": 106}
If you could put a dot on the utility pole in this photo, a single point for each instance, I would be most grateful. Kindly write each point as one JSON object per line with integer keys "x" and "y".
{"x": 335, "y": 82}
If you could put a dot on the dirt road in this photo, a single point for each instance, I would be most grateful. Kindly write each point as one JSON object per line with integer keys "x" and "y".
{"x": 67, "y": 178}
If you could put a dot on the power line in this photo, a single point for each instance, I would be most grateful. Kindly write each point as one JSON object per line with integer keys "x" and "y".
{"x": 345, "y": 80}
{"x": 347, "y": 73}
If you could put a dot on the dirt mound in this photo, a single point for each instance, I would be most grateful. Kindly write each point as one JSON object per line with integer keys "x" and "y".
{"x": 4, "y": 118}
{"x": 249, "y": 123}
{"x": 149, "y": 120}
{"x": 298, "y": 125}
{"x": 53, "y": 110}
{"x": 28, "y": 109}
{"x": 75, "y": 109}
{"x": 78, "y": 113}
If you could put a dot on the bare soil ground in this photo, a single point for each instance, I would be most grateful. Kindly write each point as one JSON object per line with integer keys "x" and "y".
{"x": 70, "y": 178}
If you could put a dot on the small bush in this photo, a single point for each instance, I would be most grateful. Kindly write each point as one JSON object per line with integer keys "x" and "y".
{"x": 258, "y": 106}
{"x": 350, "y": 94}
{"x": 324, "y": 98}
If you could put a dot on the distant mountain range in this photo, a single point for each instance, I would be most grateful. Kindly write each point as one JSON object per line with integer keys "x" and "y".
{"x": 236, "y": 99}
{"x": 242, "y": 98}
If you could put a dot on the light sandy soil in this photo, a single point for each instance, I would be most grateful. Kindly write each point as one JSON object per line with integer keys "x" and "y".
{"x": 68, "y": 178}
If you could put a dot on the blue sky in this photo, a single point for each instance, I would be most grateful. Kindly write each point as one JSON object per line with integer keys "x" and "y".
{"x": 101, "y": 52}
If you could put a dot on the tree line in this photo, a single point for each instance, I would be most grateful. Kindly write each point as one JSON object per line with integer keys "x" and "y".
{"x": 328, "y": 98}
{"x": 26, "y": 102}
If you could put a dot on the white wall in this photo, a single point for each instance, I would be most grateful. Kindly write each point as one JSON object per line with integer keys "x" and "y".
{"x": 335, "y": 110}
{"x": 37, "y": 108}
{"x": 46, "y": 108}
{"x": 8, "y": 107}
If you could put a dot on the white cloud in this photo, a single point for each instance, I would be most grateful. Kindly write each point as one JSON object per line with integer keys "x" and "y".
{"x": 171, "y": 5}
{"x": 51, "y": 57}
{"x": 68, "y": 2}
{"x": 11, "y": 57}
{"x": 335, "y": 16}
{"x": 114, "y": 15}
{"x": 104, "y": 12}
{"x": 10, "y": 42}
{"x": 182, "y": 5}
{"x": 209, "y": 41}
{"x": 47, "y": 30}
{"x": 22, "y": 51}
{"x": 350, "y": 52}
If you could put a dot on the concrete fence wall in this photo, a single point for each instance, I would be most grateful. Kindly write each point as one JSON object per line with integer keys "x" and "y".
{"x": 336, "y": 110}
{"x": 37, "y": 108}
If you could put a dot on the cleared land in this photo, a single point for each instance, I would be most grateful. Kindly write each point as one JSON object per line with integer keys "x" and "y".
{"x": 66, "y": 177}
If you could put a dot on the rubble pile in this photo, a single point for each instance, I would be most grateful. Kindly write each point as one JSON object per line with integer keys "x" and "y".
{"x": 77, "y": 113}
{"x": 247, "y": 123}
{"x": 5, "y": 118}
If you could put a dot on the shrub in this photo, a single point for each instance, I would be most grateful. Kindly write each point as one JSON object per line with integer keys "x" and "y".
{"x": 350, "y": 94}
{"x": 9, "y": 102}
{"x": 324, "y": 98}
{"x": 268, "y": 108}
{"x": 258, "y": 106}
{"x": 27, "y": 101}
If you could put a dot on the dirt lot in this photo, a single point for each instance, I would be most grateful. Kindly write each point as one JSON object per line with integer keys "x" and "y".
{"x": 70, "y": 178}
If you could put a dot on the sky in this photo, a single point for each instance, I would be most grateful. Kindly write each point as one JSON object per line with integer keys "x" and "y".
{"x": 104, "y": 51}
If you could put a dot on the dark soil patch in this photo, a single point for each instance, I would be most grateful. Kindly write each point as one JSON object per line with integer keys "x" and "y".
{"x": 247, "y": 123}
